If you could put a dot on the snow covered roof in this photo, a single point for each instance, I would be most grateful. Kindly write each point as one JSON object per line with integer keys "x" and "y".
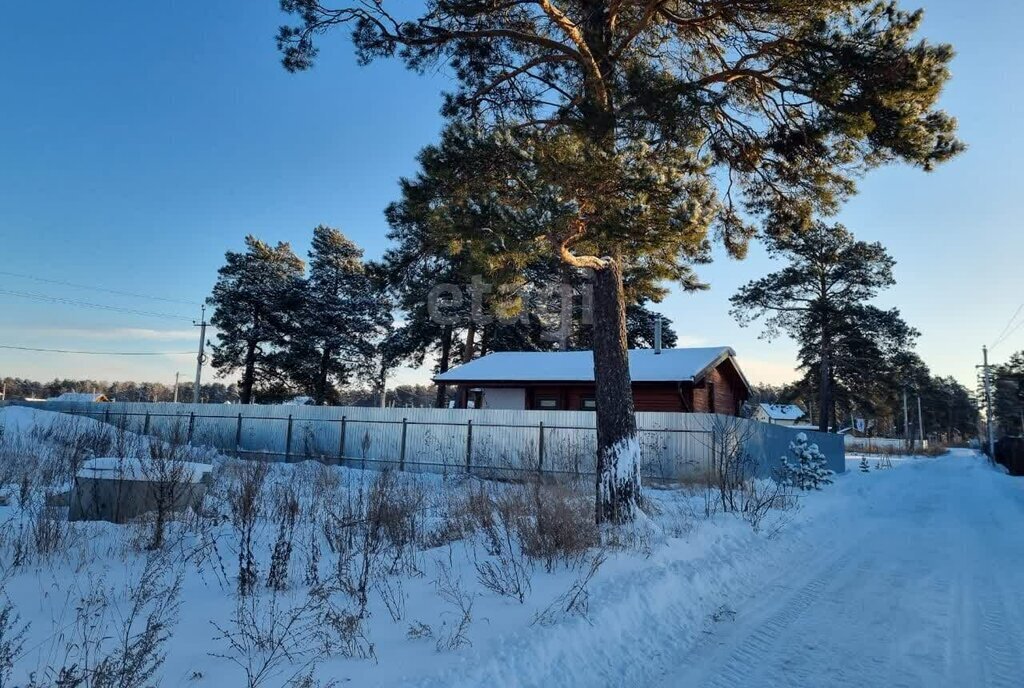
{"x": 782, "y": 411}
{"x": 117, "y": 468}
{"x": 671, "y": 365}
{"x": 80, "y": 396}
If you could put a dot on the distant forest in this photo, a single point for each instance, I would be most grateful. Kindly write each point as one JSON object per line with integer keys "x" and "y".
{"x": 212, "y": 393}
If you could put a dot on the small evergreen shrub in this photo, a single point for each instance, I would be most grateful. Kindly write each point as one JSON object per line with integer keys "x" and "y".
{"x": 810, "y": 469}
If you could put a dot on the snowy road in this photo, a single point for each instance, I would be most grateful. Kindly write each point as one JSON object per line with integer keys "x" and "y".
{"x": 922, "y": 584}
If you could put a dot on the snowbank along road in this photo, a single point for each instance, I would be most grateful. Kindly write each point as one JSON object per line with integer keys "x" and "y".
{"x": 920, "y": 584}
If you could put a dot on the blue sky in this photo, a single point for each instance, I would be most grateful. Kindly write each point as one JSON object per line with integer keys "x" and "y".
{"x": 139, "y": 141}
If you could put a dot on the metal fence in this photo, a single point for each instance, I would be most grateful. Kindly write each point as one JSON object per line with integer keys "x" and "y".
{"x": 479, "y": 441}
{"x": 883, "y": 445}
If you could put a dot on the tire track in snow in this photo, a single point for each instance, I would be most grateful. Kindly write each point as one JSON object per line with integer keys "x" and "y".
{"x": 995, "y": 631}
{"x": 923, "y": 605}
{"x": 752, "y": 653}
{"x": 1001, "y": 669}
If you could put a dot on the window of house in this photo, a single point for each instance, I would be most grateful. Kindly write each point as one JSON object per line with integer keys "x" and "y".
{"x": 588, "y": 404}
{"x": 547, "y": 403}
{"x": 711, "y": 397}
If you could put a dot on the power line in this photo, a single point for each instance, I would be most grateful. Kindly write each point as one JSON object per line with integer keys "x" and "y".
{"x": 95, "y": 288}
{"x": 89, "y": 304}
{"x": 1006, "y": 332}
{"x": 97, "y": 353}
{"x": 1006, "y": 336}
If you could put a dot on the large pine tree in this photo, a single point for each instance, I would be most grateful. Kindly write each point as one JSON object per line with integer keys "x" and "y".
{"x": 643, "y": 125}
{"x": 255, "y": 301}
{"x": 450, "y": 200}
{"x": 820, "y": 299}
{"x": 341, "y": 317}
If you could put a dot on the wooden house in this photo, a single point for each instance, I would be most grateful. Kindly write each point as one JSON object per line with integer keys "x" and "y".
{"x": 779, "y": 414}
{"x": 694, "y": 380}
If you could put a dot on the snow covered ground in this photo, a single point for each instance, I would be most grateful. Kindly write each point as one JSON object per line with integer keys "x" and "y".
{"x": 913, "y": 580}
{"x": 904, "y": 576}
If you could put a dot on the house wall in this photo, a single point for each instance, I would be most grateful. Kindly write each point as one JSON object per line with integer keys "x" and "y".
{"x": 657, "y": 397}
{"x": 727, "y": 389}
{"x": 646, "y": 396}
{"x": 504, "y": 398}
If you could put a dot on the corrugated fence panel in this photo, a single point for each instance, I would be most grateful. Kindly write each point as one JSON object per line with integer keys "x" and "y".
{"x": 489, "y": 441}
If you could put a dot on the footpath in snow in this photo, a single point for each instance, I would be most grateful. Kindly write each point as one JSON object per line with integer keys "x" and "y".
{"x": 918, "y": 583}
{"x": 902, "y": 577}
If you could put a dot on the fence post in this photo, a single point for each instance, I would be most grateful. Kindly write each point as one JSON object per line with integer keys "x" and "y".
{"x": 238, "y": 435}
{"x": 106, "y": 415}
{"x": 401, "y": 454}
{"x": 469, "y": 445}
{"x": 191, "y": 426}
{"x": 540, "y": 448}
{"x": 341, "y": 439}
{"x": 288, "y": 441}
{"x": 145, "y": 424}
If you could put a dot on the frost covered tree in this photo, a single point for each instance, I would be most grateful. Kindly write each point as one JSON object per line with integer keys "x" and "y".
{"x": 864, "y": 467}
{"x": 255, "y": 300}
{"x": 341, "y": 316}
{"x": 820, "y": 299}
{"x": 640, "y": 127}
{"x": 809, "y": 470}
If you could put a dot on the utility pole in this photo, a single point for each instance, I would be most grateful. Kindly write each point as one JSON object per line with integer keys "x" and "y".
{"x": 906, "y": 420}
{"x": 988, "y": 404}
{"x": 201, "y": 358}
{"x": 176, "y": 376}
{"x": 920, "y": 420}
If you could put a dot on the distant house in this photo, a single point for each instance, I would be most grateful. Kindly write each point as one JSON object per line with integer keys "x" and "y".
{"x": 299, "y": 401}
{"x": 698, "y": 380}
{"x": 779, "y": 414}
{"x": 81, "y": 396}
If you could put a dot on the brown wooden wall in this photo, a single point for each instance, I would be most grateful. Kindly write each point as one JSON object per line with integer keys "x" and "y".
{"x": 725, "y": 385}
{"x": 724, "y": 382}
{"x": 646, "y": 396}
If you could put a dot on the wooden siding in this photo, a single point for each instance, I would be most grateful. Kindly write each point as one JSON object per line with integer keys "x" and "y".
{"x": 725, "y": 385}
{"x": 724, "y": 382}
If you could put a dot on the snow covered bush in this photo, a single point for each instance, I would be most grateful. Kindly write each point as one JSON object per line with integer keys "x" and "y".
{"x": 731, "y": 467}
{"x": 810, "y": 469}
{"x": 117, "y": 636}
{"x": 12, "y": 638}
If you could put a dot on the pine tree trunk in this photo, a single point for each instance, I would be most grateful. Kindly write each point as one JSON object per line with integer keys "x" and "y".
{"x": 248, "y": 374}
{"x": 442, "y": 366}
{"x": 320, "y": 389}
{"x": 467, "y": 353}
{"x": 618, "y": 448}
{"x": 825, "y": 401}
